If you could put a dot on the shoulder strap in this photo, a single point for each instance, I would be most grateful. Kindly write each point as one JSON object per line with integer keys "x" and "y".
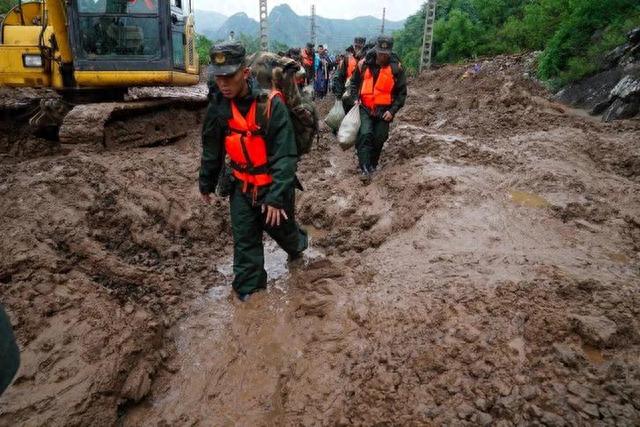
{"x": 361, "y": 65}
{"x": 396, "y": 67}
{"x": 264, "y": 108}
{"x": 273, "y": 94}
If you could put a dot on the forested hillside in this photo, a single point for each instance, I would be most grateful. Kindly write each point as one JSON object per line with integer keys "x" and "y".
{"x": 6, "y": 5}
{"x": 574, "y": 35}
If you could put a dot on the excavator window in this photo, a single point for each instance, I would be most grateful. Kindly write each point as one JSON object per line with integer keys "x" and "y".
{"x": 118, "y": 6}
{"x": 118, "y": 28}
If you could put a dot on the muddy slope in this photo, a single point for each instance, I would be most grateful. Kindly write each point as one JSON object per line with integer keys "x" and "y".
{"x": 97, "y": 248}
{"x": 489, "y": 275}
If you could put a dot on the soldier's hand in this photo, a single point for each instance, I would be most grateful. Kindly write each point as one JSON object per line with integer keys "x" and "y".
{"x": 206, "y": 198}
{"x": 387, "y": 116}
{"x": 274, "y": 215}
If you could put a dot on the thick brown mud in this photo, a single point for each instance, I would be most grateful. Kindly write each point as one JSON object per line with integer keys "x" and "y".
{"x": 487, "y": 276}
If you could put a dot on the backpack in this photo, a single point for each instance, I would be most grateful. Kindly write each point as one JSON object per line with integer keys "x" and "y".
{"x": 278, "y": 74}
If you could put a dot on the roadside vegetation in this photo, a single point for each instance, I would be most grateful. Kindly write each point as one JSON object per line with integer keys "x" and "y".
{"x": 573, "y": 35}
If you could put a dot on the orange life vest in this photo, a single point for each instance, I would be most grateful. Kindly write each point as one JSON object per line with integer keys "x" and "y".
{"x": 380, "y": 93}
{"x": 307, "y": 59}
{"x": 352, "y": 63}
{"x": 247, "y": 148}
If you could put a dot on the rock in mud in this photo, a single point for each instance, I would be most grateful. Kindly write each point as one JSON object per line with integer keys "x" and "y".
{"x": 484, "y": 419}
{"x": 567, "y": 355}
{"x": 465, "y": 411}
{"x": 600, "y": 332}
{"x": 624, "y": 100}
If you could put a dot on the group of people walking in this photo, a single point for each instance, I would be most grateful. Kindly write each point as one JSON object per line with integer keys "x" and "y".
{"x": 319, "y": 66}
{"x": 254, "y": 147}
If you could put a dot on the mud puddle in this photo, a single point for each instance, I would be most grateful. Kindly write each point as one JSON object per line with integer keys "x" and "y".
{"x": 529, "y": 200}
{"x": 594, "y": 355}
{"x": 214, "y": 345}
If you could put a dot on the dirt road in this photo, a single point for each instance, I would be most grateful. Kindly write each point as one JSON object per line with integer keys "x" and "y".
{"x": 489, "y": 275}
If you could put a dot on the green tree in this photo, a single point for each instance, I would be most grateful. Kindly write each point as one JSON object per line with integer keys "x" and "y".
{"x": 250, "y": 43}
{"x": 408, "y": 41}
{"x": 566, "y": 52}
{"x": 203, "y": 46}
{"x": 458, "y": 36}
{"x": 7, "y": 5}
{"x": 276, "y": 46}
{"x": 573, "y": 34}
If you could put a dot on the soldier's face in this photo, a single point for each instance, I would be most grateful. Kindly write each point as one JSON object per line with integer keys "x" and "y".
{"x": 358, "y": 47}
{"x": 383, "y": 58}
{"x": 234, "y": 85}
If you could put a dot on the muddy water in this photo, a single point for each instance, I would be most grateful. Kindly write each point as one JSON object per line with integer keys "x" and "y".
{"x": 223, "y": 342}
{"x": 593, "y": 354}
{"x": 527, "y": 199}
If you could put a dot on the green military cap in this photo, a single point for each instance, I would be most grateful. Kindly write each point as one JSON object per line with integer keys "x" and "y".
{"x": 384, "y": 44}
{"x": 227, "y": 58}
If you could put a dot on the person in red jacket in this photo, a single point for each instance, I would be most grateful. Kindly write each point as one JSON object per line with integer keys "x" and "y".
{"x": 308, "y": 57}
{"x": 380, "y": 84}
{"x": 346, "y": 69}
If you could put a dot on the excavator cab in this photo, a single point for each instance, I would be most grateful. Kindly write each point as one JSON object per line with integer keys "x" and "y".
{"x": 72, "y": 44}
{"x": 91, "y": 52}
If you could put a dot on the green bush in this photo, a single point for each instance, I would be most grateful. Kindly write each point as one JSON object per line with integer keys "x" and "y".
{"x": 459, "y": 37}
{"x": 569, "y": 49}
{"x": 574, "y": 35}
{"x": 7, "y": 5}
{"x": 203, "y": 46}
{"x": 408, "y": 41}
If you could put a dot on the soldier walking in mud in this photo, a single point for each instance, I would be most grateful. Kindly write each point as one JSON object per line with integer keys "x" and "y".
{"x": 254, "y": 130}
{"x": 346, "y": 68}
{"x": 380, "y": 84}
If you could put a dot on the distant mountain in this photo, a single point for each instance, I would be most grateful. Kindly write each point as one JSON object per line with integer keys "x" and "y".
{"x": 285, "y": 26}
{"x": 208, "y": 22}
{"x": 239, "y": 23}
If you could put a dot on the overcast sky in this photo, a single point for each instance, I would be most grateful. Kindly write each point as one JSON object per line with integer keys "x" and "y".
{"x": 347, "y": 9}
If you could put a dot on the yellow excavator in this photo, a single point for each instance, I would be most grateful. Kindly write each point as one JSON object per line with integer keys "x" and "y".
{"x": 90, "y": 53}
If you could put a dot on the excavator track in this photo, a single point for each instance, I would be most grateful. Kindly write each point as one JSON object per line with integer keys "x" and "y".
{"x": 150, "y": 116}
{"x": 135, "y": 123}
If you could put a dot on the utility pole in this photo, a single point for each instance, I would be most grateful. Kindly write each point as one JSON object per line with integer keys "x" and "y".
{"x": 313, "y": 24}
{"x": 264, "y": 36}
{"x": 384, "y": 14}
{"x": 427, "y": 39}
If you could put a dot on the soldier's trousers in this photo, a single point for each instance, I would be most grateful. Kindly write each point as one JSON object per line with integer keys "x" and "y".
{"x": 248, "y": 224}
{"x": 371, "y": 138}
{"x": 9, "y": 352}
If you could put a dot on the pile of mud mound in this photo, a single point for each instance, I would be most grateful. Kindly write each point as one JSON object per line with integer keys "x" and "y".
{"x": 487, "y": 273}
{"x": 496, "y": 99}
{"x": 496, "y": 93}
{"x": 100, "y": 250}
